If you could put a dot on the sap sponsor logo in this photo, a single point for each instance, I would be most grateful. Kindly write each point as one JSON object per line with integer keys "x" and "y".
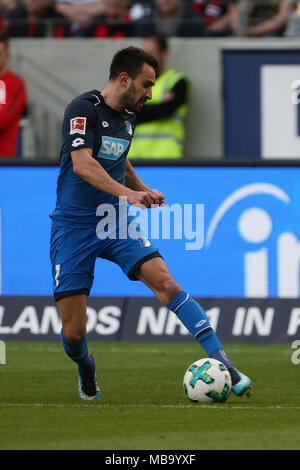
{"x": 105, "y": 321}
{"x": 165, "y": 322}
{"x": 112, "y": 148}
{"x": 255, "y": 226}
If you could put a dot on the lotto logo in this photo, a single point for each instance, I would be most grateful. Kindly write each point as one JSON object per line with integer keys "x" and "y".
{"x": 77, "y": 125}
{"x": 78, "y": 141}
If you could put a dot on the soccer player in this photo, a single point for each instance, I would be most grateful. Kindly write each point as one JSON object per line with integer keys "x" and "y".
{"x": 96, "y": 175}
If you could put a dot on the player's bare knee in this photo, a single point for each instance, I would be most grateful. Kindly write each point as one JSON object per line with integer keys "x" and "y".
{"x": 169, "y": 288}
{"x": 73, "y": 335}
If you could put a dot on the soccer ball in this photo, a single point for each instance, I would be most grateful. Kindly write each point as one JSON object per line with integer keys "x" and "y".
{"x": 207, "y": 381}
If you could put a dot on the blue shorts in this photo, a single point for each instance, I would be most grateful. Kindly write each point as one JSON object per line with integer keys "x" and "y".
{"x": 74, "y": 250}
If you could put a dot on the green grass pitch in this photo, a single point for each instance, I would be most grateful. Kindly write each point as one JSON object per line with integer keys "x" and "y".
{"x": 143, "y": 405}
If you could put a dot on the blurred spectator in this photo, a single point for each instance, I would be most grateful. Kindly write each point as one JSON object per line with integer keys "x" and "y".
{"x": 160, "y": 130}
{"x": 12, "y": 102}
{"x": 293, "y": 24}
{"x": 96, "y": 18}
{"x": 268, "y": 19}
{"x": 220, "y": 17}
{"x": 8, "y": 4}
{"x": 169, "y": 18}
{"x": 5, "y": 5}
{"x": 139, "y": 10}
{"x": 115, "y": 22}
{"x": 29, "y": 18}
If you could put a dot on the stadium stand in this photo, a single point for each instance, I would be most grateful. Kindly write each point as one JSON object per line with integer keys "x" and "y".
{"x": 116, "y": 19}
{"x": 99, "y": 19}
{"x": 169, "y": 18}
{"x": 129, "y": 18}
{"x": 220, "y": 17}
{"x": 30, "y": 18}
{"x": 269, "y": 19}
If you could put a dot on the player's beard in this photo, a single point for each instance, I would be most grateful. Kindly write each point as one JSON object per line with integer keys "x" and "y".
{"x": 129, "y": 101}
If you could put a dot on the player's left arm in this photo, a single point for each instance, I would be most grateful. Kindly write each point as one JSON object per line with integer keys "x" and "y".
{"x": 132, "y": 181}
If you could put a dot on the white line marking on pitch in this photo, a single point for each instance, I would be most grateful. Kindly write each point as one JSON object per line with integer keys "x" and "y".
{"x": 133, "y": 405}
{"x": 155, "y": 350}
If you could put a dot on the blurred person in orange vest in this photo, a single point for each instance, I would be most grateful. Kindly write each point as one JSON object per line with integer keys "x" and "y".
{"x": 12, "y": 102}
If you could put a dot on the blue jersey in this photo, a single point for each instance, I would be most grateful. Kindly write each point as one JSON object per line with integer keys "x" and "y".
{"x": 90, "y": 122}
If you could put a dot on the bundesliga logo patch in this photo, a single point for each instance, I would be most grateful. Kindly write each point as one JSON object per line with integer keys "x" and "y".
{"x": 77, "y": 125}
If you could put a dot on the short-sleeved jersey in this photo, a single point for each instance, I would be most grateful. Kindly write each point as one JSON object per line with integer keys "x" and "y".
{"x": 90, "y": 122}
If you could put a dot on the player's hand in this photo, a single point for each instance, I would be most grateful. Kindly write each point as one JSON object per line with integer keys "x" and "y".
{"x": 161, "y": 196}
{"x": 143, "y": 199}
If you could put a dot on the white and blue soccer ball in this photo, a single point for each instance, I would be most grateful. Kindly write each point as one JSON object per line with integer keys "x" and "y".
{"x": 207, "y": 380}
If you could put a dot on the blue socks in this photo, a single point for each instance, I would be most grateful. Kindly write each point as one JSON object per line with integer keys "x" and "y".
{"x": 190, "y": 313}
{"x": 220, "y": 355}
{"x": 196, "y": 321}
{"x": 79, "y": 353}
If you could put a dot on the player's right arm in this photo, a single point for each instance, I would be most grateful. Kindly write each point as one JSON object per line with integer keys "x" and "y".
{"x": 85, "y": 166}
{"x": 80, "y": 122}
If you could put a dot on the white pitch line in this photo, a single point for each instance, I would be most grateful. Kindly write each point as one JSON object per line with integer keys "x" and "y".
{"x": 57, "y": 349}
{"x": 141, "y": 405}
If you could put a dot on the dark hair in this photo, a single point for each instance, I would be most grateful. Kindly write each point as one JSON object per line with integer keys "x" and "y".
{"x": 4, "y": 37}
{"x": 161, "y": 41}
{"x": 131, "y": 61}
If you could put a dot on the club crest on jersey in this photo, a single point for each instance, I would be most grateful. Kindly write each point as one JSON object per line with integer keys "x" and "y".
{"x": 144, "y": 242}
{"x": 128, "y": 127}
{"x": 77, "y": 125}
{"x": 112, "y": 148}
